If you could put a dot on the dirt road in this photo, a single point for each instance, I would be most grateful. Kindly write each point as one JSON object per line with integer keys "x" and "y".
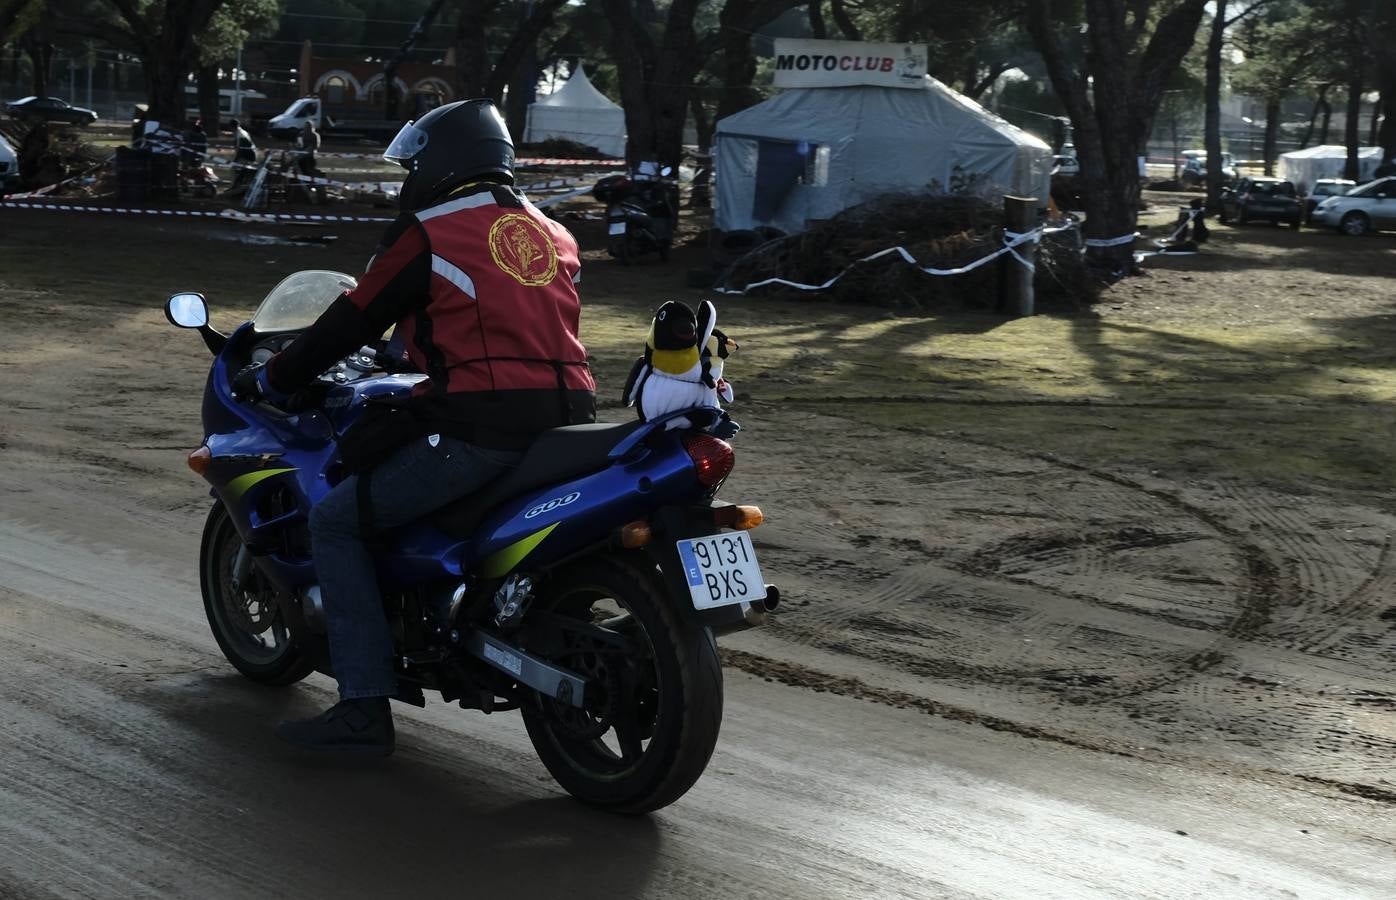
{"x": 1059, "y": 590}
{"x": 134, "y": 763}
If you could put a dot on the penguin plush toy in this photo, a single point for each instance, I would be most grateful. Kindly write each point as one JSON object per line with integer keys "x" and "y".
{"x": 682, "y": 368}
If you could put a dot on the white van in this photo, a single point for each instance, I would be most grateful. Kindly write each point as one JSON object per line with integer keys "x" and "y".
{"x": 229, "y": 103}
{"x": 289, "y": 123}
{"x": 9, "y": 167}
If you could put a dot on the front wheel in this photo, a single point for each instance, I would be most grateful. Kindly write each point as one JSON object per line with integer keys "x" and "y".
{"x": 654, "y": 702}
{"x": 242, "y": 608}
{"x": 1355, "y": 224}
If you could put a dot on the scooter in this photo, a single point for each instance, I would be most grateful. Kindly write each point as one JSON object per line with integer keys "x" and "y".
{"x": 584, "y": 589}
{"x": 640, "y": 212}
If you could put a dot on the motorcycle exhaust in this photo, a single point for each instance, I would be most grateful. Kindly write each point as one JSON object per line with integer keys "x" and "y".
{"x": 744, "y": 615}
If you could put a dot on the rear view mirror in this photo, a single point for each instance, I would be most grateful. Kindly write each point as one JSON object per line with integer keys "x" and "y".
{"x": 187, "y": 310}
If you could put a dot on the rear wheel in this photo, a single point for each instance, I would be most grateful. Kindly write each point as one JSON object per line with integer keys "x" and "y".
{"x": 242, "y": 610}
{"x": 1355, "y": 224}
{"x": 654, "y": 702}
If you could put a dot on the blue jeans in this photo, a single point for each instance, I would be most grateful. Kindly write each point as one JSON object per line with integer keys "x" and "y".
{"x": 425, "y": 475}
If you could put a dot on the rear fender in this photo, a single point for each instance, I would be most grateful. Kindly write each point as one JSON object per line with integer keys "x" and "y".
{"x": 671, "y": 524}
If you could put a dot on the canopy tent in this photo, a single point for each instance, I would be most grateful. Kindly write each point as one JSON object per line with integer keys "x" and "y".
{"x": 1304, "y": 167}
{"x": 809, "y": 153}
{"x": 578, "y": 112}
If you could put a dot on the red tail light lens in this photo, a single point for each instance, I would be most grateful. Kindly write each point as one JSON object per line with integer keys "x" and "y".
{"x": 712, "y": 458}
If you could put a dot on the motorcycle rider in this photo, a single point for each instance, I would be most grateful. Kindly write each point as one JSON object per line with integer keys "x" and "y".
{"x": 482, "y": 288}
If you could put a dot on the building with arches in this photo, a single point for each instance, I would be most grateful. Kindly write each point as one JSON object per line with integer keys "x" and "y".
{"x": 347, "y": 84}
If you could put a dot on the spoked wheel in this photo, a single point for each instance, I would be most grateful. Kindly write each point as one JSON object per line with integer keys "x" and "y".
{"x": 654, "y": 697}
{"x": 242, "y": 609}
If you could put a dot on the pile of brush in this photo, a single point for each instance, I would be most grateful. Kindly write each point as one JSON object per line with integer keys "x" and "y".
{"x": 941, "y": 232}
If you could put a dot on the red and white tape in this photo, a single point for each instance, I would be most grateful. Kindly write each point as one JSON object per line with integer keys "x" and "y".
{"x": 225, "y": 214}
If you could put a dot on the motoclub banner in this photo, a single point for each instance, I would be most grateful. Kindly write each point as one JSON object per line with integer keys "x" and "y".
{"x": 808, "y": 63}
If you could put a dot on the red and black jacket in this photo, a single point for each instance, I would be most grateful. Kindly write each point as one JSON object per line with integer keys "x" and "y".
{"x": 482, "y": 289}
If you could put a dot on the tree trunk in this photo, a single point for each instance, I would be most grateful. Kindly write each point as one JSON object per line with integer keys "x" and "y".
{"x": 472, "y": 53}
{"x": 40, "y": 54}
{"x": 1374, "y": 130}
{"x": 1272, "y": 134}
{"x": 522, "y": 89}
{"x": 819, "y": 31}
{"x": 845, "y": 21}
{"x": 1112, "y": 98}
{"x": 1216, "y": 43}
{"x": 701, "y": 197}
{"x": 1327, "y": 121}
{"x": 522, "y": 50}
{"x": 164, "y": 86}
{"x": 1353, "y": 132}
{"x": 736, "y": 22}
{"x": 655, "y": 82}
{"x": 208, "y": 100}
{"x": 1313, "y": 117}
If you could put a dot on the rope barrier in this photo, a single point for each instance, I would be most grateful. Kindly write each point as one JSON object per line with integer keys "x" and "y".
{"x": 1011, "y": 242}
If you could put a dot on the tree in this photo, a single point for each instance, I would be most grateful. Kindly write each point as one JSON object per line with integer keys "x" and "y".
{"x": 228, "y": 30}
{"x": 1283, "y": 49}
{"x": 737, "y": 22}
{"x": 164, "y": 34}
{"x": 656, "y": 76}
{"x": 515, "y": 26}
{"x": 1111, "y": 83}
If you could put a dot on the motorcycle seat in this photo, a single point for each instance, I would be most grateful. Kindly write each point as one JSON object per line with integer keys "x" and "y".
{"x": 556, "y": 455}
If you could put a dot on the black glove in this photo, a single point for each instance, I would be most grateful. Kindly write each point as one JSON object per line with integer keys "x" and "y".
{"x": 251, "y": 384}
{"x": 725, "y": 429}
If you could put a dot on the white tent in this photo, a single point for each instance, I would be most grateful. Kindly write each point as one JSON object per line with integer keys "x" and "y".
{"x": 578, "y": 112}
{"x": 1304, "y": 167}
{"x": 809, "y": 153}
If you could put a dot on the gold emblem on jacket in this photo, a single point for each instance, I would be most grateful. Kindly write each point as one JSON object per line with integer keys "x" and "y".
{"x": 521, "y": 247}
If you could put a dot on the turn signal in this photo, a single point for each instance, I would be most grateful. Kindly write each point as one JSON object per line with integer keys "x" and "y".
{"x": 199, "y": 460}
{"x": 743, "y": 518}
{"x": 635, "y": 534}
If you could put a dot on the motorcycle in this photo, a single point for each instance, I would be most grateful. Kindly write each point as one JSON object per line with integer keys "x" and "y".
{"x": 200, "y": 180}
{"x": 640, "y": 212}
{"x": 584, "y": 589}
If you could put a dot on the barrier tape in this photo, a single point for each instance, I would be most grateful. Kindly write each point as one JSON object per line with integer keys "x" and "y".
{"x": 1011, "y": 241}
{"x": 1112, "y": 242}
{"x": 229, "y": 214}
{"x": 1162, "y": 243}
{"x": 50, "y": 188}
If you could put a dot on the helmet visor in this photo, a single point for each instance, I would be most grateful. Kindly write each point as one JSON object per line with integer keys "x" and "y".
{"x": 409, "y": 142}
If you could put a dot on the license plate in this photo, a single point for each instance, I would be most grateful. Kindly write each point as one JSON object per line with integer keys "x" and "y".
{"x": 616, "y": 228}
{"x": 721, "y": 570}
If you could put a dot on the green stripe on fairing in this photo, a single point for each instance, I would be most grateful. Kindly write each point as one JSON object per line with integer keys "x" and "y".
{"x": 502, "y": 561}
{"x": 239, "y": 485}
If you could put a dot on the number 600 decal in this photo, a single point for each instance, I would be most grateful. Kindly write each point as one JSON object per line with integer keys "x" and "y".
{"x": 552, "y": 504}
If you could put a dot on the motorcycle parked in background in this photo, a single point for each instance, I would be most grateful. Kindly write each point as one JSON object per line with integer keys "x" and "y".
{"x": 642, "y": 210}
{"x": 583, "y": 589}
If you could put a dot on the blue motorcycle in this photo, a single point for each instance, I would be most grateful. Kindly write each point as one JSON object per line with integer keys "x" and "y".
{"x": 583, "y": 589}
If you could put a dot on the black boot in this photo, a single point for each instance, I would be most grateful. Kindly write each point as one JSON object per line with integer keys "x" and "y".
{"x": 363, "y": 725}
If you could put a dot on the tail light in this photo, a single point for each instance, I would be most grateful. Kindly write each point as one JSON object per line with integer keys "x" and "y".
{"x": 712, "y": 458}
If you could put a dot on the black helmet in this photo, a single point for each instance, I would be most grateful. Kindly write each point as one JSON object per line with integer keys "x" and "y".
{"x": 448, "y": 147}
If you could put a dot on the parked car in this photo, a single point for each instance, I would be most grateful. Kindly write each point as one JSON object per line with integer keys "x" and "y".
{"x": 49, "y": 109}
{"x": 1195, "y": 168}
{"x": 9, "y": 167}
{"x": 1262, "y": 198}
{"x": 1324, "y": 188}
{"x": 1065, "y": 165}
{"x": 1367, "y": 208}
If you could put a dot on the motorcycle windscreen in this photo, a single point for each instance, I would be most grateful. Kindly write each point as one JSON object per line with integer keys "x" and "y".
{"x": 299, "y": 299}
